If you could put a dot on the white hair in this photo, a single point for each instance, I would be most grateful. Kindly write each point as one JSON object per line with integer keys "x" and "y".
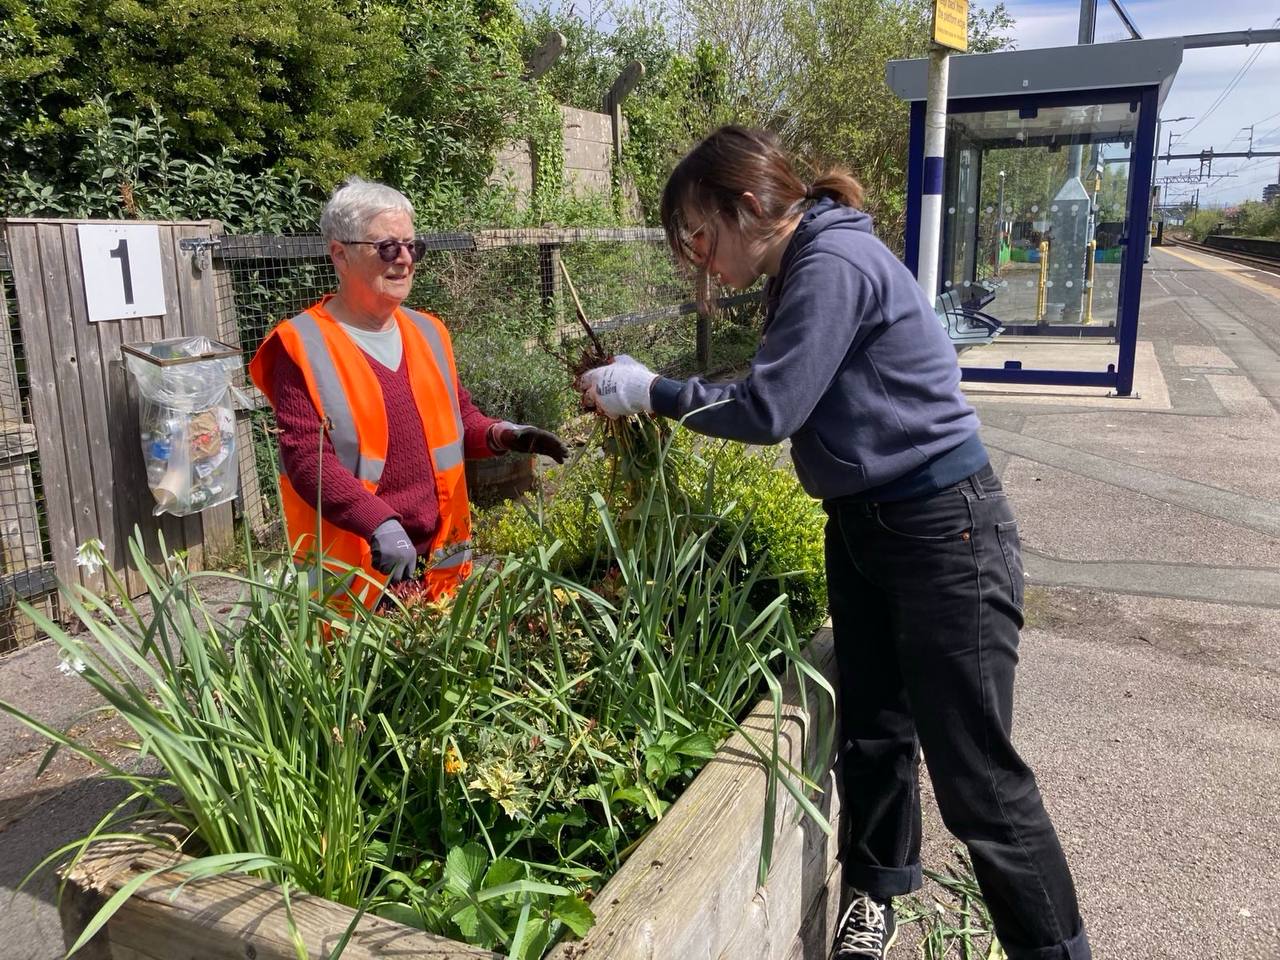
{"x": 354, "y": 203}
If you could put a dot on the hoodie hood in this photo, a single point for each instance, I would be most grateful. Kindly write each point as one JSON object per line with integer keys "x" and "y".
{"x": 825, "y": 214}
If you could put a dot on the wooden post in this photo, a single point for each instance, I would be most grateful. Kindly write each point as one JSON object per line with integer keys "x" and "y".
{"x": 252, "y": 507}
{"x": 549, "y": 283}
{"x": 704, "y": 322}
{"x": 630, "y": 76}
{"x": 542, "y": 59}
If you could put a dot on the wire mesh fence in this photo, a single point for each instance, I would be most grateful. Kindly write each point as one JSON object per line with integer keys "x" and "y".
{"x": 25, "y": 554}
{"x": 511, "y": 300}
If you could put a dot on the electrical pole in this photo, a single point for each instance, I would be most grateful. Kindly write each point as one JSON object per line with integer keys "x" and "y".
{"x": 935, "y": 147}
{"x": 1088, "y": 25}
{"x": 950, "y": 32}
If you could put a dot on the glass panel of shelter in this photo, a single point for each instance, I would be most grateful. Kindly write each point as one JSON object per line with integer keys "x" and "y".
{"x": 1034, "y": 212}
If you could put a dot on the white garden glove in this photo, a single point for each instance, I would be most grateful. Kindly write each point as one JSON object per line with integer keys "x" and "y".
{"x": 619, "y": 389}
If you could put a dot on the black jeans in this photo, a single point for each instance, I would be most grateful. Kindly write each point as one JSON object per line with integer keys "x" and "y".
{"x": 926, "y": 605}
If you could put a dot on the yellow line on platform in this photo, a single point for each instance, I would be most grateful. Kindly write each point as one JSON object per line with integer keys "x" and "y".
{"x": 1202, "y": 260}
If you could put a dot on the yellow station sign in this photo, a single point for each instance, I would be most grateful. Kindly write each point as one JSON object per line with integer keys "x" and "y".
{"x": 951, "y": 23}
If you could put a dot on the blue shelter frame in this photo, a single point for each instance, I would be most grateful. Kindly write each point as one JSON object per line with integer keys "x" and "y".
{"x": 1026, "y": 82}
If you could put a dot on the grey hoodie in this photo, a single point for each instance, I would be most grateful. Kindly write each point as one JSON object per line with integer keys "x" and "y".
{"x": 853, "y": 366}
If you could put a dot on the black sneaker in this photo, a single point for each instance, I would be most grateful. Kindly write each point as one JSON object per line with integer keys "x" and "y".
{"x": 866, "y": 930}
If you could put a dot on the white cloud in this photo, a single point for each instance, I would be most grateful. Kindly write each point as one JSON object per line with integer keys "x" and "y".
{"x": 1205, "y": 73}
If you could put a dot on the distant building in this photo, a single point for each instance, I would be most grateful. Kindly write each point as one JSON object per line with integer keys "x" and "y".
{"x": 1271, "y": 192}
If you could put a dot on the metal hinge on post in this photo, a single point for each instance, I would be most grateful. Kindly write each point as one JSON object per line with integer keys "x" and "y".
{"x": 201, "y": 250}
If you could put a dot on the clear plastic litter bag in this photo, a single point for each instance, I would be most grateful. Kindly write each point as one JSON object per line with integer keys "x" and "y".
{"x": 186, "y": 413}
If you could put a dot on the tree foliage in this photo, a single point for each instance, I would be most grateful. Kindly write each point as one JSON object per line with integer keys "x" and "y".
{"x": 114, "y": 107}
{"x": 683, "y": 94}
{"x": 418, "y": 93}
{"x": 1253, "y": 218}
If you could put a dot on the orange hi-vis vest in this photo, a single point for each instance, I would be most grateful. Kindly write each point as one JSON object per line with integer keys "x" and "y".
{"x": 349, "y": 401}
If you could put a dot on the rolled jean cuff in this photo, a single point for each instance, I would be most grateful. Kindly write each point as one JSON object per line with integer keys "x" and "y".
{"x": 883, "y": 882}
{"x": 1075, "y": 948}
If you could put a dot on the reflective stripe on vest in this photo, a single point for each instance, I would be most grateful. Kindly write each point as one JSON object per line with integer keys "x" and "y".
{"x": 337, "y": 408}
{"x": 432, "y": 335}
{"x": 448, "y": 456}
{"x": 451, "y": 454}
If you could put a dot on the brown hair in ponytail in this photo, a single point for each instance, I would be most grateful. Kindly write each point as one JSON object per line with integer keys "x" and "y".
{"x": 710, "y": 181}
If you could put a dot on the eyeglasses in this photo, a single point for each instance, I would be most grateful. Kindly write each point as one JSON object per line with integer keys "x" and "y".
{"x": 389, "y": 249}
{"x": 686, "y": 241}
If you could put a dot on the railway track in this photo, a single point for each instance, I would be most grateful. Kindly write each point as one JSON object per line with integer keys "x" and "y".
{"x": 1253, "y": 260}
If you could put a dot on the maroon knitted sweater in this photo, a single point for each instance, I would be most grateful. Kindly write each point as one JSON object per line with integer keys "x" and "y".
{"x": 407, "y": 491}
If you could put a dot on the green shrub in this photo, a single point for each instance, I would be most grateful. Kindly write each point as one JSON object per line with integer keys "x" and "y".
{"x": 511, "y": 382}
{"x": 782, "y": 525}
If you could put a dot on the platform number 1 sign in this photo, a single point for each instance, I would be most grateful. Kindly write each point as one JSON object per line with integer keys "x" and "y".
{"x": 122, "y": 271}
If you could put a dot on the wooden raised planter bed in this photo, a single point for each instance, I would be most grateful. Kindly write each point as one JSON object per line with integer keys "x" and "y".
{"x": 688, "y": 892}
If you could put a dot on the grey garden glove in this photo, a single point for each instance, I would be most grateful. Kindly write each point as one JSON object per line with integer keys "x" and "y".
{"x": 522, "y": 438}
{"x": 393, "y": 552}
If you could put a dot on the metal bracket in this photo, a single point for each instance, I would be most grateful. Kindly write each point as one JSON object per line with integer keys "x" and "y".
{"x": 200, "y": 249}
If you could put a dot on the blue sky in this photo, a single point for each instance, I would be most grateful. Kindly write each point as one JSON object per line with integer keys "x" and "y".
{"x": 1204, "y": 75}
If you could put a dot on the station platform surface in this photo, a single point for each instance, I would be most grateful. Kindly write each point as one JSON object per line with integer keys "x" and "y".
{"x": 1148, "y": 697}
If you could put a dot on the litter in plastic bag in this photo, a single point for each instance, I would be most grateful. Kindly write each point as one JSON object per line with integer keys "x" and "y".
{"x": 187, "y": 417}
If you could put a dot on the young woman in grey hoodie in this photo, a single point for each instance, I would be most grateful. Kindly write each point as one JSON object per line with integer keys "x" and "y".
{"x": 923, "y": 563}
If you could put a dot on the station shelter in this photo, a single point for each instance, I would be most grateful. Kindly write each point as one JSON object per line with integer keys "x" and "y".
{"x": 1046, "y": 205}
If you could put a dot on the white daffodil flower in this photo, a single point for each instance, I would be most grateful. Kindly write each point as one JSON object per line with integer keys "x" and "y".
{"x": 90, "y": 555}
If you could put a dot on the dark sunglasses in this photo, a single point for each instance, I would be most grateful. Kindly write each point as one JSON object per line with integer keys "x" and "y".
{"x": 388, "y": 250}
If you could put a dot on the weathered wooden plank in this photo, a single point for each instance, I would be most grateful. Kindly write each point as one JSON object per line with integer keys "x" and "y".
{"x": 17, "y": 441}
{"x": 803, "y": 859}
{"x": 185, "y": 532}
{"x": 128, "y": 477}
{"x": 226, "y": 918}
{"x": 64, "y": 355}
{"x": 28, "y": 282}
{"x": 198, "y": 294}
{"x": 89, "y": 365}
{"x": 682, "y": 894}
{"x": 251, "y": 504}
{"x": 818, "y": 929}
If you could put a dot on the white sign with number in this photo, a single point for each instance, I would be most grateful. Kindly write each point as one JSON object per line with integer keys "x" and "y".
{"x": 122, "y": 272}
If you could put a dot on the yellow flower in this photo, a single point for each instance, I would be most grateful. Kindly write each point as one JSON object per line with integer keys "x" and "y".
{"x": 453, "y": 762}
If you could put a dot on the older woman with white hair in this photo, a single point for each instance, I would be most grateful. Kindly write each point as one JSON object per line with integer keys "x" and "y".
{"x": 374, "y": 425}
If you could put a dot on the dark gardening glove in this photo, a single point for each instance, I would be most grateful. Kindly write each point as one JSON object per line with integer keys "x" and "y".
{"x": 393, "y": 552}
{"x": 522, "y": 438}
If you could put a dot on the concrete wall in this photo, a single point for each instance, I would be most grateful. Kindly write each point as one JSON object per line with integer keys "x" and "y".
{"x": 588, "y": 155}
